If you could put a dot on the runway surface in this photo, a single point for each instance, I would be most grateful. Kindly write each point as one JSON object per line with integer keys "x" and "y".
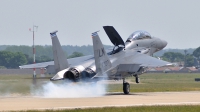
{"x": 109, "y": 100}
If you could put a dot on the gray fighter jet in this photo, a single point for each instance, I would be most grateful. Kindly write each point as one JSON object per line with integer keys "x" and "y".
{"x": 126, "y": 59}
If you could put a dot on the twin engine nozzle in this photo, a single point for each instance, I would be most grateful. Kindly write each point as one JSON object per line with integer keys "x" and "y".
{"x": 79, "y": 73}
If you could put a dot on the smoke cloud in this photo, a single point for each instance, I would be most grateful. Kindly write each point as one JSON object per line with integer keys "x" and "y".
{"x": 70, "y": 90}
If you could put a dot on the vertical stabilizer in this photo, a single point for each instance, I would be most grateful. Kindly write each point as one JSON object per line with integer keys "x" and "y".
{"x": 60, "y": 61}
{"x": 102, "y": 61}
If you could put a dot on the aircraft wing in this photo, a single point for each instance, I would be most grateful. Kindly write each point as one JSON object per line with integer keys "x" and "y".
{"x": 37, "y": 65}
{"x": 71, "y": 61}
{"x": 145, "y": 60}
{"x": 133, "y": 63}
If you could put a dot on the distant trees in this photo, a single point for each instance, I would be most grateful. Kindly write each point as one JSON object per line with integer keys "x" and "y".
{"x": 13, "y": 56}
{"x": 47, "y": 50}
{"x": 15, "y": 59}
{"x": 178, "y": 57}
{"x": 28, "y": 50}
{"x": 76, "y": 54}
{"x": 196, "y": 53}
{"x": 38, "y": 59}
{"x": 189, "y": 60}
{"x": 173, "y": 57}
{"x": 85, "y": 49}
{"x": 161, "y": 52}
{"x": 12, "y": 60}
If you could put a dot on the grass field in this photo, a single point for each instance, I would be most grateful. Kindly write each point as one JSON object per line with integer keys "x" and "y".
{"x": 183, "y": 108}
{"x": 20, "y": 84}
{"x": 160, "y": 82}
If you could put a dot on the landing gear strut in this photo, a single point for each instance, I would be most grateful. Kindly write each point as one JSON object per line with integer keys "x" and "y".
{"x": 137, "y": 79}
{"x": 126, "y": 87}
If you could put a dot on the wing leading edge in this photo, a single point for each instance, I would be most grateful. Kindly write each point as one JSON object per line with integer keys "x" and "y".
{"x": 71, "y": 61}
{"x": 60, "y": 62}
{"x": 145, "y": 60}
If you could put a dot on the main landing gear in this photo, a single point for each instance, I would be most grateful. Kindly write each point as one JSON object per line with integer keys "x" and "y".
{"x": 126, "y": 87}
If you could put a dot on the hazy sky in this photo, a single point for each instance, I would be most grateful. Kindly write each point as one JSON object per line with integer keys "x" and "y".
{"x": 176, "y": 21}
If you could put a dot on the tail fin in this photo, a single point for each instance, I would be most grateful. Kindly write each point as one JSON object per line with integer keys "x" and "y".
{"x": 102, "y": 61}
{"x": 60, "y": 61}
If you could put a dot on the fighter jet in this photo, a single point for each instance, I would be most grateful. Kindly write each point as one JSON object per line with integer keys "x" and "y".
{"x": 130, "y": 60}
{"x": 126, "y": 59}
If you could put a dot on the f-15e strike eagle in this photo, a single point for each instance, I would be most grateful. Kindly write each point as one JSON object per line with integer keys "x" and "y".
{"x": 129, "y": 58}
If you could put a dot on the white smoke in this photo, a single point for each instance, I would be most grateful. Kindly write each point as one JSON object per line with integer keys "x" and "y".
{"x": 70, "y": 90}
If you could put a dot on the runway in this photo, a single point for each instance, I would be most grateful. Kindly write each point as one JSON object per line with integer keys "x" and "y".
{"x": 108, "y": 100}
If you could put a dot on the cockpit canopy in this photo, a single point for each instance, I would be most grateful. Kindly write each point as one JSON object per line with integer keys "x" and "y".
{"x": 139, "y": 35}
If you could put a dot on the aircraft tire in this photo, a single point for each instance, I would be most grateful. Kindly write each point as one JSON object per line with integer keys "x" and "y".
{"x": 126, "y": 88}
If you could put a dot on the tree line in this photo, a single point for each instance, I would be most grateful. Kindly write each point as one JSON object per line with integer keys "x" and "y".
{"x": 11, "y": 60}
{"x": 69, "y": 49}
{"x": 184, "y": 60}
{"x": 14, "y": 56}
{"x": 47, "y": 49}
{"x": 15, "y": 59}
{"x": 187, "y": 58}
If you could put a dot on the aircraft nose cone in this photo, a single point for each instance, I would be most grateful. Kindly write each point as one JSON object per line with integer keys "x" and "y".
{"x": 164, "y": 43}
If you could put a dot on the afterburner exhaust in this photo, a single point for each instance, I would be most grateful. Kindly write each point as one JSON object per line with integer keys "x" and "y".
{"x": 88, "y": 73}
{"x": 74, "y": 73}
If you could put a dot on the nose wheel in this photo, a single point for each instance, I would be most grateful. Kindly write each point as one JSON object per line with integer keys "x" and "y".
{"x": 126, "y": 87}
